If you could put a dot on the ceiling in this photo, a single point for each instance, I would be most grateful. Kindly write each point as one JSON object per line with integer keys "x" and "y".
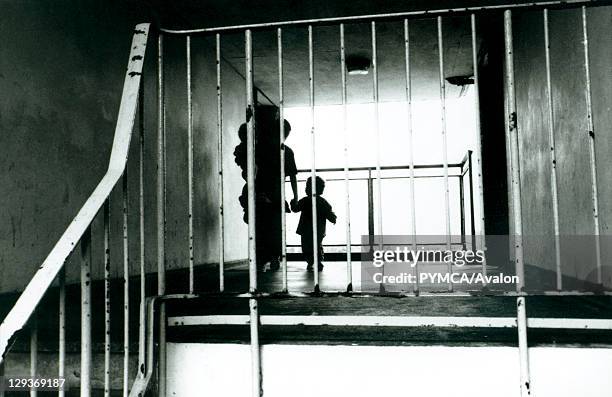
{"x": 181, "y": 14}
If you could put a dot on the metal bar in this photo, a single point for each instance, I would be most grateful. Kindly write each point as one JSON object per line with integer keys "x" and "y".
{"x": 592, "y": 153}
{"x": 313, "y": 173}
{"x": 393, "y": 321}
{"x": 512, "y": 128}
{"x": 425, "y": 12}
{"x": 447, "y": 224}
{"x": 2, "y": 376}
{"x": 85, "y": 386}
{"x": 384, "y": 168}
{"x": 141, "y": 227}
{"x": 189, "y": 161}
{"x": 413, "y": 226}
{"x": 250, "y": 101}
{"x": 347, "y": 217}
{"x": 220, "y": 164}
{"x": 126, "y": 288}
{"x": 107, "y": 303}
{"x": 281, "y": 120}
{"x": 371, "y": 231}
{"x": 33, "y": 352}
{"x": 161, "y": 212}
{"x": 379, "y": 226}
{"x": 553, "y": 160}
{"x": 471, "y": 189}
{"x": 521, "y": 314}
{"x": 378, "y": 206}
{"x": 462, "y": 212}
{"x": 48, "y": 270}
{"x": 478, "y": 141}
{"x": 61, "y": 362}
{"x": 145, "y": 370}
{"x": 386, "y": 177}
{"x": 255, "y": 349}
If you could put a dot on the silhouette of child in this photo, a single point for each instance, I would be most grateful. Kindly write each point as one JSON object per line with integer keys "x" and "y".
{"x": 304, "y": 229}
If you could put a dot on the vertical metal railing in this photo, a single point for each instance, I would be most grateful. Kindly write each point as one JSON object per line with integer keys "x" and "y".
{"x": 281, "y": 127}
{"x": 61, "y": 360}
{"x": 553, "y": 159}
{"x": 107, "y": 298}
{"x": 220, "y": 163}
{"x": 478, "y": 144}
{"x": 33, "y": 351}
{"x": 161, "y": 214}
{"x": 313, "y": 173}
{"x": 513, "y": 135}
{"x": 253, "y": 309}
{"x": 412, "y": 194}
{"x": 126, "y": 287}
{"x": 141, "y": 226}
{"x": 447, "y": 222}
{"x": 347, "y": 187}
{"x": 591, "y": 138}
{"x": 86, "y": 347}
{"x": 189, "y": 163}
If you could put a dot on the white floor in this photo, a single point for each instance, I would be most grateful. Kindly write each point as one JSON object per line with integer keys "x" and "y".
{"x": 355, "y": 371}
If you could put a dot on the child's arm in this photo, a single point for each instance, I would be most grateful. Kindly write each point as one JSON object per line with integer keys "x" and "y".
{"x": 330, "y": 214}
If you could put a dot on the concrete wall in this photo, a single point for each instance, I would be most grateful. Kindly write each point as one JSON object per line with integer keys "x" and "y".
{"x": 570, "y": 134}
{"x": 61, "y": 73}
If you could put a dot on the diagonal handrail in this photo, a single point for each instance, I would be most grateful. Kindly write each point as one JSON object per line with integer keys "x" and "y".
{"x": 46, "y": 273}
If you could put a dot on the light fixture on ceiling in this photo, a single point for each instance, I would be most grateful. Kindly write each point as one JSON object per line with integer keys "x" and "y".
{"x": 357, "y": 65}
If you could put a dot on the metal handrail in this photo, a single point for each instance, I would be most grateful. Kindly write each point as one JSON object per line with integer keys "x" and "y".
{"x": 404, "y": 14}
{"x": 48, "y": 271}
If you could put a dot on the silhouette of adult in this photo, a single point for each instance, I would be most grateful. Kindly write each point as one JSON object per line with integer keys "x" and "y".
{"x": 268, "y": 185}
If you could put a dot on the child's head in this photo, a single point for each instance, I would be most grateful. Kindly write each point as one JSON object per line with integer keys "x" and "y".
{"x": 320, "y": 186}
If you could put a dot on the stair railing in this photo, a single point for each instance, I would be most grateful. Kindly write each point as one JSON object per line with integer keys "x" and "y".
{"x": 79, "y": 229}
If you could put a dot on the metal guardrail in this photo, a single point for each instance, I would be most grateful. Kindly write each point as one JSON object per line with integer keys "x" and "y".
{"x": 79, "y": 231}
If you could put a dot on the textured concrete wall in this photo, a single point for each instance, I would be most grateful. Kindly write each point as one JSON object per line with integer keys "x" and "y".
{"x": 61, "y": 73}
{"x": 61, "y": 67}
{"x": 570, "y": 134}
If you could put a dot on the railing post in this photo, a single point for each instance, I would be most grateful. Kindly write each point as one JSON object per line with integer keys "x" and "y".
{"x": 347, "y": 220}
{"x": 61, "y": 362}
{"x": 33, "y": 351}
{"x": 281, "y": 118}
{"x": 126, "y": 287}
{"x": 86, "y": 313}
{"x": 161, "y": 215}
{"x": 371, "y": 231}
{"x": 141, "y": 228}
{"x": 189, "y": 163}
{"x": 553, "y": 159}
{"x": 447, "y": 223}
{"x": 591, "y": 138}
{"x": 513, "y": 136}
{"x": 521, "y": 313}
{"x": 471, "y": 189}
{"x": 481, "y": 218}
{"x": 107, "y": 304}
{"x": 313, "y": 173}
{"x": 462, "y": 210}
{"x": 256, "y": 389}
{"x": 220, "y": 164}
{"x": 413, "y": 228}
